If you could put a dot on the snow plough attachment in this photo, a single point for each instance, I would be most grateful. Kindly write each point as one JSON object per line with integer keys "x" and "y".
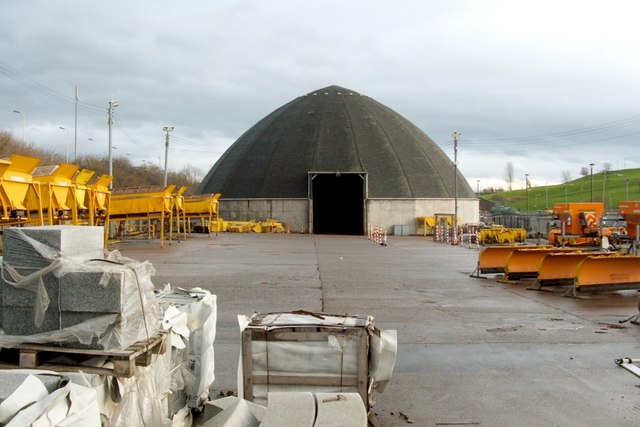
{"x": 492, "y": 259}
{"x": 523, "y": 263}
{"x": 607, "y": 273}
{"x": 557, "y": 269}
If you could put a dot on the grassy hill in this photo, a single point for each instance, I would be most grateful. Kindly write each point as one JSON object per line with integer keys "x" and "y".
{"x": 609, "y": 188}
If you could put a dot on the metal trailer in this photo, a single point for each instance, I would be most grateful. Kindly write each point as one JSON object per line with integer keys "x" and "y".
{"x": 146, "y": 206}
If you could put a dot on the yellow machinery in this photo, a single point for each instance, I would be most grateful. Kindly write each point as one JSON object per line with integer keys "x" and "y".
{"x": 179, "y": 211}
{"x": 428, "y": 224}
{"x": 204, "y": 207}
{"x": 83, "y": 195}
{"x": 99, "y": 200}
{"x": 240, "y": 226}
{"x": 523, "y": 263}
{"x": 146, "y": 205}
{"x": 268, "y": 226}
{"x": 16, "y": 184}
{"x": 500, "y": 234}
{"x": 271, "y": 226}
{"x": 58, "y": 195}
{"x": 607, "y": 273}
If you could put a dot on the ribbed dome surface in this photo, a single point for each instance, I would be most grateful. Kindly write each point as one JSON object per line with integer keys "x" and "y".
{"x": 329, "y": 130}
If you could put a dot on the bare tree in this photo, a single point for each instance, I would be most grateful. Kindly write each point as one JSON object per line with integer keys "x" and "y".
{"x": 606, "y": 167}
{"x": 584, "y": 171}
{"x": 566, "y": 176}
{"x": 508, "y": 175}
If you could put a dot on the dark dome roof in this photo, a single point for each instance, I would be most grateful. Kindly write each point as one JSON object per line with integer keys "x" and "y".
{"x": 328, "y": 130}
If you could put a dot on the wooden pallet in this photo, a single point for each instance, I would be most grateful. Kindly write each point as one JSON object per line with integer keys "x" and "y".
{"x": 64, "y": 359}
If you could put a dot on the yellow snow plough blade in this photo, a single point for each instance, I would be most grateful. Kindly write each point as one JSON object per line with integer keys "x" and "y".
{"x": 492, "y": 259}
{"x": 608, "y": 273}
{"x": 523, "y": 263}
{"x": 561, "y": 268}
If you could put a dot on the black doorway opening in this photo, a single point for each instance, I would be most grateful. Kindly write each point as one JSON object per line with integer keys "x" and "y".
{"x": 338, "y": 203}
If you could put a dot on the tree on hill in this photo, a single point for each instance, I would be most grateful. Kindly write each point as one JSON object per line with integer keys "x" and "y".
{"x": 125, "y": 173}
{"x": 508, "y": 175}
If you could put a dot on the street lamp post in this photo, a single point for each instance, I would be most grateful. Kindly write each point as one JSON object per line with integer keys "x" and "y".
{"x": 67, "y": 131}
{"x": 626, "y": 181}
{"x": 24, "y": 123}
{"x": 93, "y": 148}
{"x": 546, "y": 195}
{"x": 166, "y": 129}
{"x": 591, "y": 173}
{"x": 604, "y": 182}
{"x": 526, "y": 189}
{"x": 112, "y": 105}
{"x": 455, "y": 190}
{"x": 478, "y": 188}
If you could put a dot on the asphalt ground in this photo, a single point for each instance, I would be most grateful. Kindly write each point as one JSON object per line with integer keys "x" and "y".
{"x": 472, "y": 351}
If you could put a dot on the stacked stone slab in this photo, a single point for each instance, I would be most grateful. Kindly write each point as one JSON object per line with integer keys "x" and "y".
{"x": 76, "y": 295}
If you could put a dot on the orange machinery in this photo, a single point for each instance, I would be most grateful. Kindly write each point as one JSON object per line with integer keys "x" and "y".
{"x": 630, "y": 211}
{"x": 580, "y": 224}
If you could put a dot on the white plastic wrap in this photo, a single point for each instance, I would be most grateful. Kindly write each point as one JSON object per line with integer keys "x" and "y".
{"x": 137, "y": 401}
{"x": 190, "y": 317}
{"x": 137, "y": 320}
{"x": 32, "y": 405}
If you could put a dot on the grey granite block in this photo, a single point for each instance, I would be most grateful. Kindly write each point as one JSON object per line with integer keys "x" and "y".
{"x": 120, "y": 337}
{"x": 81, "y": 243}
{"x": 16, "y": 297}
{"x": 72, "y": 318}
{"x": 82, "y": 291}
{"x": 21, "y": 321}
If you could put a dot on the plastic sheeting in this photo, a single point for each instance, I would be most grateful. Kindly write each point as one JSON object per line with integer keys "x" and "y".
{"x": 32, "y": 404}
{"x": 190, "y": 317}
{"x": 137, "y": 320}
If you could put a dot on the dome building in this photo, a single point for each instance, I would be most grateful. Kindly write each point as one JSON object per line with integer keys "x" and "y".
{"x": 335, "y": 161}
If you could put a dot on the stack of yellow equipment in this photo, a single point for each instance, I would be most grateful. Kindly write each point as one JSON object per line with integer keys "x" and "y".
{"x": 16, "y": 184}
{"x": 58, "y": 196}
{"x": 150, "y": 204}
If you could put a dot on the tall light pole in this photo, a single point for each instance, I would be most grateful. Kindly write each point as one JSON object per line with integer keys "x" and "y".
{"x": 626, "y": 181}
{"x": 67, "y": 131}
{"x": 24, "y": 123}
{"x": 167, "y": 129}
{"x": 75, "y": 130}
{"x": 112, "y": 105}
{"x": 93, "y": 147}
{"x": 455, "y": 135}
{"x": 591, "y": 173}
{"x": 546, "y": 195}
{"x": 526, "y": 189}
{"x": 604, "y": 181}
{"x": 478, "y": 188}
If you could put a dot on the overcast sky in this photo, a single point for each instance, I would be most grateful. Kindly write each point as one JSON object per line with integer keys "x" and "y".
{"x": 549, "y": 86}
